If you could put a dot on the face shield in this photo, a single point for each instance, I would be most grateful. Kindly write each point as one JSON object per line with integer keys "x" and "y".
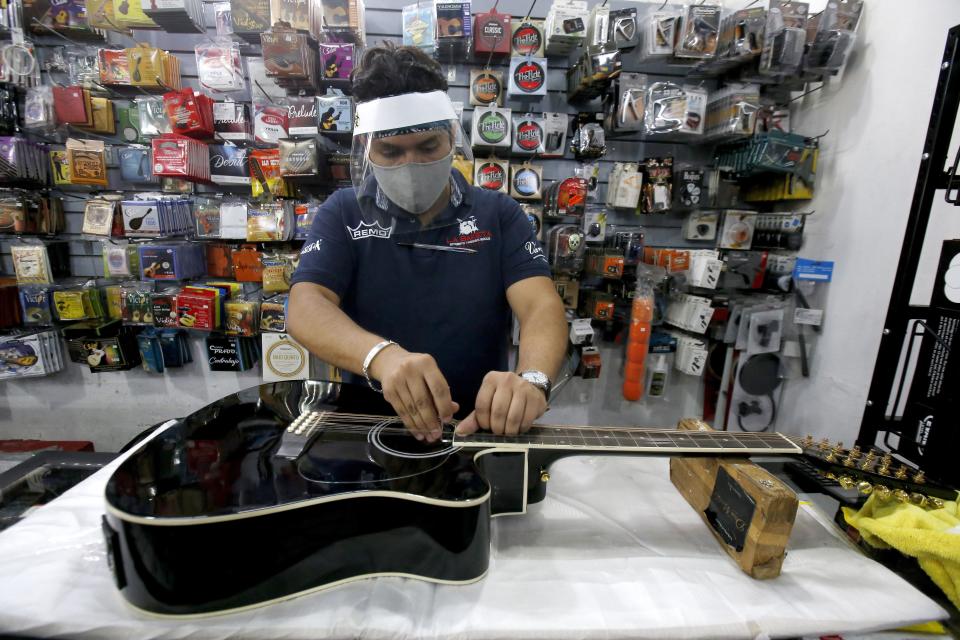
{"x": 403, "y": 149}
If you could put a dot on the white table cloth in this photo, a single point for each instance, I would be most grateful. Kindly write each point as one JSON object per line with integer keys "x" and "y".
{"x": 613, "y": 552}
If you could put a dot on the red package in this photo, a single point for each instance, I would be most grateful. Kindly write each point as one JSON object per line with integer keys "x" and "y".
{"x": 196, "y": 308}
{"x": 190, "y": 113}
{"x": 178, "y": 156}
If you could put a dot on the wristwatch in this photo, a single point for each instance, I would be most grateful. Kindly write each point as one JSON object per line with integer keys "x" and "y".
{"x": 538, "y": 379}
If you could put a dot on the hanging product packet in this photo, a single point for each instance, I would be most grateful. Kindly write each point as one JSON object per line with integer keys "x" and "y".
{"x": 298, "y": 158}
{"x": 219, "y": 66}
{"x": 265, "y": 174}
{"x": 335, "y": 112}
{"x": 269, "y": 122}
{"x": 88, "y": 164}
{"x": 231, "y": 121}
{"x": 528, "y": 134}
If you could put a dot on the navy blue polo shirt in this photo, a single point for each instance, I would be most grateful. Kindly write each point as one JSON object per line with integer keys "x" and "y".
{"x": 450, "y": 305}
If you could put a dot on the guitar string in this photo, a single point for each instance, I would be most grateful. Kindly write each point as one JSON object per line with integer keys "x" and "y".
{"x": 359, "y": 423}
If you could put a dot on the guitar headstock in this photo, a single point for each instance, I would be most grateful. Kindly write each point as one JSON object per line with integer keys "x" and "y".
{"x": 874, "y": 472}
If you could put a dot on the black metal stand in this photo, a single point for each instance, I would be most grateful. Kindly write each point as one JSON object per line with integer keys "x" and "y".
{"x": 901, "y": 316}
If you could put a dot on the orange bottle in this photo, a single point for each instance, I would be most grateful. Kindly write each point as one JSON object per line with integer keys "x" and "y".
{"x": 638, "y": 342}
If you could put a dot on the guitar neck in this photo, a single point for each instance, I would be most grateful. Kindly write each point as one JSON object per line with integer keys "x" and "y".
{"x": 637, "y": 441}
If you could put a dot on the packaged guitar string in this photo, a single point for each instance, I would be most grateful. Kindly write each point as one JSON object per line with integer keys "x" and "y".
{"x": 486, "y": 87}
{"x": 528, "y": 77}
{"x": 152, "y": 116}
{"x": 229, "y": 164}
{"x": 526, "y": 38}
{"x": 528, "y": 134}
{"x": 178, "y": 156}
{"x": 241, "y": 317}
{"x": 265, "y": 174}
{"x": 31, "y": 263}
{"x": 270, "y": 221}
{"x": 250, "y": 18}
{"x": 278, "y": 268}
{"x": 35, "y": 305}
{"x": 233, "y": 219}
{"x": 298, "y": 158}
{"x": 60, "y": 167}
{"x": 190, "y": 113}
{"x": 98, "y": 215}
{"x": 232, "y": 121}
{"x": 219, "y": 66}
{"x": 120, "y": 259}
{"x": 304, "y": 214}
{"x": 302, "y": 117}
{"x": 335, "y": 112}
{"x": 492, "y": 174}
{"x": 526, "y": 181}
{"x": 336, "y": 62}
{"x": 38, "y": 112}
{"x": 273, "y": 315}
{"x": 88, "y": 164}
{"x": 269, "y": 122}
{"x": 419, "y": 27}
{"x": 491, "y": 35}
{"x": 491, "y": 127}
{"x": 174, "y": 261}
{"x": 135, "y": 165}
{"x": 176, "y": 16}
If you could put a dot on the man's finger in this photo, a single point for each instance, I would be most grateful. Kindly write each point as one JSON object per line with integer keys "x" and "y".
{"x": 411, "y": 416}
{"x": 531, "y": 412}
{"x": 482, "y": 406}
{"x": 468, "y": 425}
{"x": 499, "y": 409}
{"x": 440, "y": 391}
{"x": 515, "y": 415}
{"x": 424, "y": 407}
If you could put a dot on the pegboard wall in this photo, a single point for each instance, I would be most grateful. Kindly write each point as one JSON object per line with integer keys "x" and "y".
{"x": 77, "y": 403}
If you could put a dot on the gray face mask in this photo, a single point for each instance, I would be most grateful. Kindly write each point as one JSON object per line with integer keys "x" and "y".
{"x": 414, "y": 186}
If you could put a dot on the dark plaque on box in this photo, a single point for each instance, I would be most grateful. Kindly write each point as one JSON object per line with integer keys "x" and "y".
{"x": 302, "y": 116}
{"x": 229, "y": 164}
{"x": 231, "y": 121}
{"x": 222, "y": 354}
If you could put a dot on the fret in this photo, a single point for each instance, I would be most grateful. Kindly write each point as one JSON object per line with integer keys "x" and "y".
{"x": 725, "y": 440}
{"x": 684, "y": 440}
{"x": 753, "y": 441}
{"x": 592, "y": 439}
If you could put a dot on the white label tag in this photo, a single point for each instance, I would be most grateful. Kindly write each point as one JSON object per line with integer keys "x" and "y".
{"x": 812, "y": 317}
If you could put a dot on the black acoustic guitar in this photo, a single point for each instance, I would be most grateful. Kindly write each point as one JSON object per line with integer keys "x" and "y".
{"x": 291, "y": 487}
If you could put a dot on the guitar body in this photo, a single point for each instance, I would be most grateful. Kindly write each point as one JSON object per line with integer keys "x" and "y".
{"x": 292, "y": 487}
{"x": 207, "y": 518}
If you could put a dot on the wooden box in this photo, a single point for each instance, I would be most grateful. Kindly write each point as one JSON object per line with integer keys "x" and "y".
{"x": 748, "y": 510}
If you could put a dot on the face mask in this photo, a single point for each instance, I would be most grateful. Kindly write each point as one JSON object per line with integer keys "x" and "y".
{"x": 414, "y": 186}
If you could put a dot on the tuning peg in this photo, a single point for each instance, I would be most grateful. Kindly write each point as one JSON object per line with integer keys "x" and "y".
{"x": 852, "y": 457}
{"x": 824, "y": 445}
{"x": 864, "y": 488}
{"x": 835, "y": 452}
{"x": 882, "y": 492}
{"x": 901, "y": 473}
{"x": 919, "y": 478}
{"x": 918, "y": 499}
{"x": 846, "y": 482}
{"x": 901, "y": 496}
{"x": 806, "y": 441}
{"x": 829, "y": 475}
{"x": 884, "y": 467}
{"x": 868, "y": 461}
{"x": 934, "y": 503}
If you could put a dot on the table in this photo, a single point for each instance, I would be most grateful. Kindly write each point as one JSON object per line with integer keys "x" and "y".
{"x": 613, "y": 552}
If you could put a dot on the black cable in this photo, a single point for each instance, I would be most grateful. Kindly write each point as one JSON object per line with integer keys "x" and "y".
{"x": 766, "y": 427}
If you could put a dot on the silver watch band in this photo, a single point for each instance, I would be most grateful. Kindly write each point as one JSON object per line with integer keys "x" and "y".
{"x": 374, "y": 351}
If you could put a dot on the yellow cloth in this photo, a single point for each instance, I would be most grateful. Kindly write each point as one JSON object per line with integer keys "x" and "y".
{"x": 930, "y": 536}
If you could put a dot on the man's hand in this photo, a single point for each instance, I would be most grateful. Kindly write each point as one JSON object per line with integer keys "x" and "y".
{"x": 506, "y": 405}
{"x": 415, "y": 388}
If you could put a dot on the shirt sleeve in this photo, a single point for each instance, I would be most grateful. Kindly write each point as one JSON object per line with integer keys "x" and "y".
{"x": 327, "y": 258}
{"x": 521, "y": 255}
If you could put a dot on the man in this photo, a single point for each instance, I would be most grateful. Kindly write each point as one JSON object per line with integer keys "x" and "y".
{"x": 409, "y": 278}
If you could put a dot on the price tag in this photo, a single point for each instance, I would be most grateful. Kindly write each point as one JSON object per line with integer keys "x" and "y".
{"x": 812, "y": 317}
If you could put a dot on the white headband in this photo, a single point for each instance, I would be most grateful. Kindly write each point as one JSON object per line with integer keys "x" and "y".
{"x": 405, "y": 110}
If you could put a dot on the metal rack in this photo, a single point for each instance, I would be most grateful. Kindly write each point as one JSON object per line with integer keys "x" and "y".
{"x": 890, "y": 418}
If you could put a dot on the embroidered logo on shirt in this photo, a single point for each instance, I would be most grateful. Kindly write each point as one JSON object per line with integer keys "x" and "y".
{"x": 371, "y": 230}
{"x": 535, "y": 250}
{"x": 313, "y": 246}
{"x": 470, "y": 233}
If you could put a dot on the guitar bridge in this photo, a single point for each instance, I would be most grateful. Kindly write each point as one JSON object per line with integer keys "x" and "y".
{"x": 300, "y": 434}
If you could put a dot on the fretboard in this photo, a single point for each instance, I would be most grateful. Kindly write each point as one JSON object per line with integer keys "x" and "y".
{"x": 649, "y": 441}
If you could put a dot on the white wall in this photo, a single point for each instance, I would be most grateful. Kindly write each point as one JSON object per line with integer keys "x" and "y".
{"x": 877, "y": 120}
